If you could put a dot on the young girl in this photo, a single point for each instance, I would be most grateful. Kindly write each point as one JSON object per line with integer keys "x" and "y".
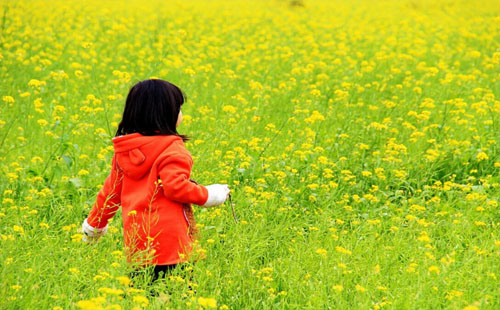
{"x": 150, "y": 179}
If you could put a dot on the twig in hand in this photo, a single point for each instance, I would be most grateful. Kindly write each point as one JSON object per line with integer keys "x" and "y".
{"x": 232, "y": 209}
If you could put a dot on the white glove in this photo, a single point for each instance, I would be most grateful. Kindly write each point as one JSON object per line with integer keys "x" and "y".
{"x": 217, "y": 194}
{"x": 91, "y": 234}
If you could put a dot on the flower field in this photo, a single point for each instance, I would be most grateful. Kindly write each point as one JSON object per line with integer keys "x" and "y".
{"x": 360, "y": 140}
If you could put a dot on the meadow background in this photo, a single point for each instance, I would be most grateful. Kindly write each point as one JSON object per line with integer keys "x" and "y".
{"x": 360, "y": 140}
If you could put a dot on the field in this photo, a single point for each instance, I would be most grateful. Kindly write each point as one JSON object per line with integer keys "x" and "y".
{"x": 360, "y": 140}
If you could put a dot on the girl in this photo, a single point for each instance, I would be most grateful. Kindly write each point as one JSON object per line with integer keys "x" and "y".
{"x": 150, "y": 180}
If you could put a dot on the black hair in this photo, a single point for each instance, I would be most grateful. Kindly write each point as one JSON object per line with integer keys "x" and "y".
{"x": 152, "y": 108}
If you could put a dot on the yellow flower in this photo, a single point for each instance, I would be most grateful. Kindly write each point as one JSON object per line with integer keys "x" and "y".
{"x": 359, "y": 288}
{"x": 338, "y": 288}
{"x": 89, "y": 305}
{"x": 18, "y": 229}
{"x": 452, "y": 294}
{"x": 481, "y": 156}
{"x": 434, "y": 269}
{"x": 424, "y": 237}
{"x": 36, "y": 83}
{"x": 8, "y": 99}
{"x": 321, "y": 252}
{"x": 123, "y": 280}
{"x": 143, "y": 301}
{"x": 12, "y": 176}
{"x": 76, "y": 237}
{"x": 110, "y": 291}
{"x": 83, "y": 172}
{"x": 36, "y": 159}
{"x": 207, "y": 302}
{"x": 342, "y": 250}
{"x": 134, "y": 290}
{"x": 8, "y": 201}
{"x": 229, "y": 108}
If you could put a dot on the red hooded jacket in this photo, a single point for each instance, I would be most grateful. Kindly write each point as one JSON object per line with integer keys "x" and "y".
{"x": 150, "y": 179}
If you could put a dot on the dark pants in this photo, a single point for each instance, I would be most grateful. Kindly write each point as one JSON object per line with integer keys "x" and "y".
{"x": 159, "y": 271}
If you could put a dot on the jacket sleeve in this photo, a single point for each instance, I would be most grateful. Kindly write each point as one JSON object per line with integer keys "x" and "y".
{"x": 174, "y": 171}
{"x": 108, "y": 199}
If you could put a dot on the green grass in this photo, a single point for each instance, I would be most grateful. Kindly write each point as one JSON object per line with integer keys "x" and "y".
{"x": 359, "y": 139}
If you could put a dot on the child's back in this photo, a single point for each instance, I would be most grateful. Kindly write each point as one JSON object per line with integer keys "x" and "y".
{"x": 150, "y": 180}
{"x": 154, "y": 217}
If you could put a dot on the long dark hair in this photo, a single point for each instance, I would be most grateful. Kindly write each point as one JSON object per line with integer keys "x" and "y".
{"x": 152, "y": 108}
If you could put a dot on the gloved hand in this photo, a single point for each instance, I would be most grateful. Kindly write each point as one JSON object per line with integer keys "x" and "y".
{"x": 91, "y": 234}
{"x": 217, "y": 194}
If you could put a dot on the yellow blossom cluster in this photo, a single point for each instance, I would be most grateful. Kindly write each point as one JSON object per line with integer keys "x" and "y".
{"x": 359, "y": 140}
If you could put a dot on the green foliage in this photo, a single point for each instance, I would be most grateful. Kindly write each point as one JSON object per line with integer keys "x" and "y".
{"x": 359, "y": 139}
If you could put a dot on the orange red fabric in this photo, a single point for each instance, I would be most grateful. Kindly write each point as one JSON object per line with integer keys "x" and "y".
{"x": 150, "y": 180}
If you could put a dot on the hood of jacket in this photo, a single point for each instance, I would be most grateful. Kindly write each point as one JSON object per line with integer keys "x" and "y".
{"x": 135, "y": 153}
